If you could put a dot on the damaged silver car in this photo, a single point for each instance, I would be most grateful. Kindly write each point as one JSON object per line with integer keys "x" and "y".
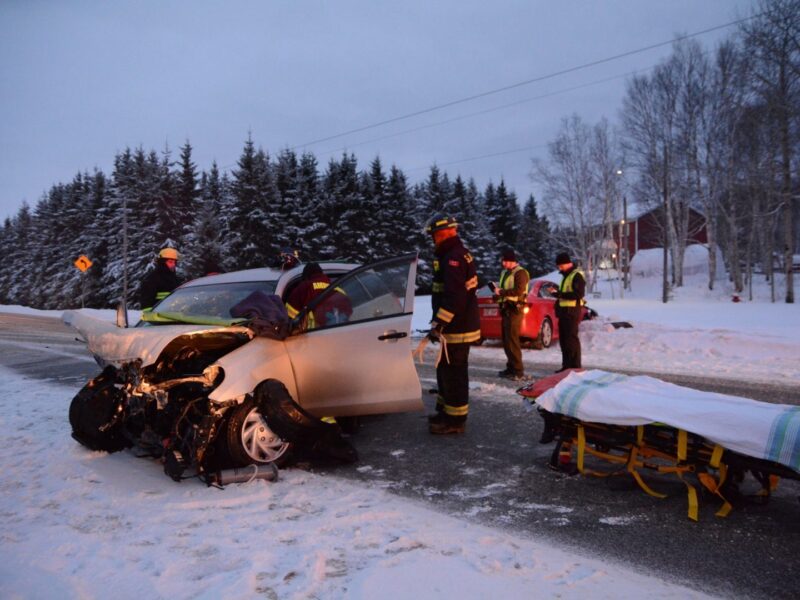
{"x": 218, "y": 376}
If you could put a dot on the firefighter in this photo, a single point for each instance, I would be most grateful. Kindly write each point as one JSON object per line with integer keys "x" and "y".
{"x": 569, "y": 310}
{"x": 159, "y": 283}
{"x": 288, "y": 258}
{"x": 455, "y": 324}
{"x": 335, "y": 309}
{"x": 511, "y": 294}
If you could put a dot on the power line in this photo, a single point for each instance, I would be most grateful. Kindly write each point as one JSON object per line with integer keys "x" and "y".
{"x": 488, "y": 110}
{"x": 526, "y": 82}
{"x": 462, "y": 160}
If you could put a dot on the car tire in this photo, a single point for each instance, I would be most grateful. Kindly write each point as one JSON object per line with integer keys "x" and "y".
{"x": 93, "y": 409}
{"x": 249, "y": 438}
{"x": 545, "y": 337}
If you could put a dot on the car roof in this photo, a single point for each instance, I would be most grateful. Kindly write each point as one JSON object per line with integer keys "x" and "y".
{"x": 266, "y": 274}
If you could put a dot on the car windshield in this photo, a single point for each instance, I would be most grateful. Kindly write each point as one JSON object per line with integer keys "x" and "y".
{"x": 205, "y": 304}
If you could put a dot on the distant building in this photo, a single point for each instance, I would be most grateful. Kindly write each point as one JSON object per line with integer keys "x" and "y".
{"x": 647, "y": 231}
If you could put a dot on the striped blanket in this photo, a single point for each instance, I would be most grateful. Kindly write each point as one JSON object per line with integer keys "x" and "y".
{"x": 757, "y": 429}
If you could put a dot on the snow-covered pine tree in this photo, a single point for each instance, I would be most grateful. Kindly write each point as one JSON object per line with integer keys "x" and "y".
{"x": 202, "y": 245}
{"x": 405, "y": 230}
{"x": 469, "y": 210}
{"x": 186, "y": 200}
{"x": 247, "y": 218}
{"x": 6, "y": 273}
{"x": 19, "y": 259}
{"x": 308, "y": 200}
{"x": 374, "y": 189}
{"x": 288, "y": 212}
{"x": 345, "y": 224}
{"x": 534, "y": 245}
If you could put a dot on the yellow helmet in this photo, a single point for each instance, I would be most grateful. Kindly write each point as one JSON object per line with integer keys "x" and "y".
{"x": 169, "y": 253}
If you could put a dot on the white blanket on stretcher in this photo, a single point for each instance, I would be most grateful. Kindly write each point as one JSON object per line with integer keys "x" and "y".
{"x": 758, "y": 429}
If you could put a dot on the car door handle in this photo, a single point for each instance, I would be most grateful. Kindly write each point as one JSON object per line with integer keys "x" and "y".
{"x": 393, "y": 336}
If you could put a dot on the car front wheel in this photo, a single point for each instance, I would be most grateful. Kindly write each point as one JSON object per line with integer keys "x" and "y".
{"x": 251, "y": 440}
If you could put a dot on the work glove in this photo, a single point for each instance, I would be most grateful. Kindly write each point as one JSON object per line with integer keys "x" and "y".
{"x": 435, "y": 332}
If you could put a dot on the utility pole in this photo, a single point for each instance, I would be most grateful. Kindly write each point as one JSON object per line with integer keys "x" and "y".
{"x": 626, "y": 262}
{"x": 125, "y": 250}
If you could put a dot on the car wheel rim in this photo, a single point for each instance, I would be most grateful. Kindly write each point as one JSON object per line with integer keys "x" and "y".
{"x": 259, "y": 441}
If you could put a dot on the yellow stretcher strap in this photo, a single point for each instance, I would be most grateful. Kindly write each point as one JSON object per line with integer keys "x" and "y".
{"x": 682, "y": 444}
{"x": 639, "y": 435}
{"x": 692, "y": 492}
{"x": 581, "y": 447}
{"x": 716, "y": 456}
{"x": 715, "y": 487}
{"x": 632, "y": 470}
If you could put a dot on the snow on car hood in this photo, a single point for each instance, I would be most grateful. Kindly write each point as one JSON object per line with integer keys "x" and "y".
{"x": 117, "y": 345}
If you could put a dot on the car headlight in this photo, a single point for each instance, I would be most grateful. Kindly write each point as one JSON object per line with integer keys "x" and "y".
{"x": 213, "y": 374}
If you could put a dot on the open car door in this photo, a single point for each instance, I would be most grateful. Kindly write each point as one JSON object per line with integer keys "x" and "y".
{"x": 353, "y": 357}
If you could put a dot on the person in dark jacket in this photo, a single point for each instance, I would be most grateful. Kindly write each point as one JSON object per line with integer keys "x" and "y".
{"x": 511, "y": 294}
{"x": 159, "y": 283}
{"x": 337, "y": 308}
{"x": 455, "y": 323}
{"x": 569, "y": 310}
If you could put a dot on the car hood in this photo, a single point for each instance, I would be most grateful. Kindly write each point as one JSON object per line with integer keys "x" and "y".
{"x": 115, "y": 345}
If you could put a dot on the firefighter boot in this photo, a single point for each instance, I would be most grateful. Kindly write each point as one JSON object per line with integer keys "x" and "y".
{"x": 447, "y": 426}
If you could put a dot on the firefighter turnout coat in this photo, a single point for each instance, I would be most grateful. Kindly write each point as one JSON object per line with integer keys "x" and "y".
{"x": 455, "y": 281}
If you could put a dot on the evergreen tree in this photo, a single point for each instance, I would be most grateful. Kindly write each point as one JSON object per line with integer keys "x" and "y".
{"x": 344, "y": 222}
{"x": 503, "y": 216}
{"x": 186, "y": 202}
{"x": 308, "y": 202}
{"x": 288, "y": 214}
{"x": 19, "y": 259}
{"x": 203, "y": 248}
{"x": 467, "y": 207}
{"x": 248, "y": 218}
{"x": 535, "y": 248}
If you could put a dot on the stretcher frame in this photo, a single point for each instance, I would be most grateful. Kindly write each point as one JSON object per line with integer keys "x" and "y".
{"x": 654, "y": 448}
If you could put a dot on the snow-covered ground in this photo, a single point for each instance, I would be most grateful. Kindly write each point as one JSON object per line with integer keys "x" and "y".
{"x": 81, "y": 524}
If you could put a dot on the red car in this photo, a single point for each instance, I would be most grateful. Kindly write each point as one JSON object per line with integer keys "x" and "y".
{"x": 539, "y": 325}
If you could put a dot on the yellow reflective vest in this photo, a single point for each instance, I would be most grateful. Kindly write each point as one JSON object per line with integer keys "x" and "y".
{"x": 566, "y": 288}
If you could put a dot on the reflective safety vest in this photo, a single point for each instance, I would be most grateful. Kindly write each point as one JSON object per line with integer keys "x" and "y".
{"x": 508, "y": 282}
{"x": 566, "y": 288}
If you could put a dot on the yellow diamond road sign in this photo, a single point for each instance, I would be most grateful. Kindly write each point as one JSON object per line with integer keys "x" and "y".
{"x": 83, "y": 262}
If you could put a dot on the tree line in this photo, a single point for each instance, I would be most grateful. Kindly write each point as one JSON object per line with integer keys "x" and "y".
{"x": 243, "y": 219}
{"x": 716, "y": 131}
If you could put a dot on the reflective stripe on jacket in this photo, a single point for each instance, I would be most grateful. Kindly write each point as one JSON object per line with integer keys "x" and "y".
{"x": 454, "y": 303}
{"x": 566, "y": 287}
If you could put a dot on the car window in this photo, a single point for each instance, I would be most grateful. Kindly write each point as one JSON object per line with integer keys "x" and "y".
{"x": 214, "y": 300}
{"x": 369, "y": 293}
{"x": 548, "y": 290}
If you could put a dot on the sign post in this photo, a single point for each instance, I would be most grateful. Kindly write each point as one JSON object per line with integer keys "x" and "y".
{"x": 83, "y": 263}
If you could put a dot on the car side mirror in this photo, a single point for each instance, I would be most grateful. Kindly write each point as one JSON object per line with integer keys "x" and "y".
{"x": 122, "y": 314}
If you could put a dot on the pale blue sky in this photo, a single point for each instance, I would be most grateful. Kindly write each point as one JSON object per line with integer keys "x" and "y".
{"x": 82, "y": 80}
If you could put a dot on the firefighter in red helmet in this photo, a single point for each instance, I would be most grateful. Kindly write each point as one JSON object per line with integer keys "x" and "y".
{"x": 455, "y": 323}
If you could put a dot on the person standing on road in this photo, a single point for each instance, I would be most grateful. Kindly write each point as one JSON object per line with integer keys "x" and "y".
{"x": 511, "y": 294}
{"x": 569, "y": 310}
{"x": 455, "y": 324}
{"x": 159, "y": 283}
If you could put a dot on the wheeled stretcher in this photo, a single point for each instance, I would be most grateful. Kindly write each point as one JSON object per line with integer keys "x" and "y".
{"x": 641, "y": 424}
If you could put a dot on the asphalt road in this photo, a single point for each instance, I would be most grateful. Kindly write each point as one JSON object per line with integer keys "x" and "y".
{"x": 497, "y": 475}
